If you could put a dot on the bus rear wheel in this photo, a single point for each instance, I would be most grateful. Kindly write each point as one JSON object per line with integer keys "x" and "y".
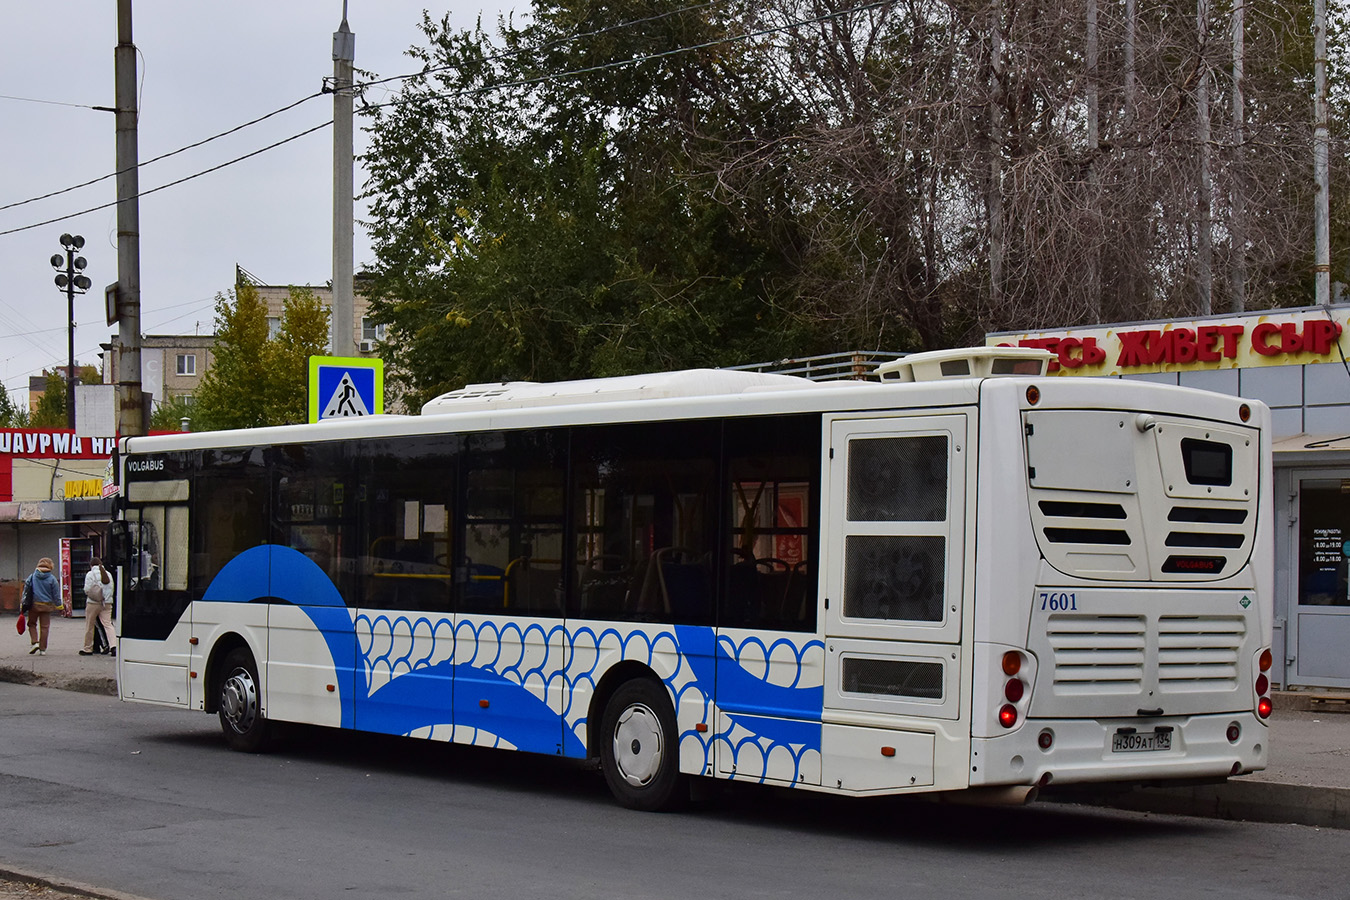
{"x": 639, "y": 748}
{"x": 239, "y": 703}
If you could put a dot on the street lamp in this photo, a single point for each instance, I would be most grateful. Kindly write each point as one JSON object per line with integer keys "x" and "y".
{"x": 70, "y": 278}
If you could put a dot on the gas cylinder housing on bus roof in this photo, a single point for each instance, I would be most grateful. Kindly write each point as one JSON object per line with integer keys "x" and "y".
{"x": 966, "y": 362}
{"x": 656, "y": 385}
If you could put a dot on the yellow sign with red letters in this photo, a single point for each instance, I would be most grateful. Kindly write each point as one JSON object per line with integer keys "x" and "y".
{"x": 1283, "y": 338}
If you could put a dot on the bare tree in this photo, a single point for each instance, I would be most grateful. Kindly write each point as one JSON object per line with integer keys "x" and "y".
{"x": 953, "y": 167}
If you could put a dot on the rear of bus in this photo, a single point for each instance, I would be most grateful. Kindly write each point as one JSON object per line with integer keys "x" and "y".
{"x": 1124, "y": 578}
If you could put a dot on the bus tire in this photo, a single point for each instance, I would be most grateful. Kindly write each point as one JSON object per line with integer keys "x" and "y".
{"x": 639, "y": 748}
{"x": 240, "y": 703}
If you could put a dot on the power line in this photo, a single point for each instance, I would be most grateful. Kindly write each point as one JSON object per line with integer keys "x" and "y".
{"x": 560, "y": 41}
{"x": 525, "y": 82}
{"x": 49, "y": 102}
{"x": 192, "y": 146}
{"x": 290, "y": 106}
{"x": 170, "y": 184}
{"x": 518, "y": 83}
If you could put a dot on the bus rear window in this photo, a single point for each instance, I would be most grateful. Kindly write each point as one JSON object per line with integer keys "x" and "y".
{"x": 1207, "y": 462}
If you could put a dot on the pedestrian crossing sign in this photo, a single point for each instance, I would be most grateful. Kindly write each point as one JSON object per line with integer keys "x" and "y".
{"x": 345, "y": 387}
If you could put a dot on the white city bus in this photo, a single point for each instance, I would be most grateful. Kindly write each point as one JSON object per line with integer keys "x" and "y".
{"x": 947, "y": 580}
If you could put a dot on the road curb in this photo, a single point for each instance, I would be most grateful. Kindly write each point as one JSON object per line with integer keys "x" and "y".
{"x": 1249, "y": 801}
{"x": 84, "y": 684}
{"x": 77, "y": 888}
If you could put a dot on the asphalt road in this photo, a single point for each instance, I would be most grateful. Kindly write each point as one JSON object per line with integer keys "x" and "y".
{"x": 148, "y": 801}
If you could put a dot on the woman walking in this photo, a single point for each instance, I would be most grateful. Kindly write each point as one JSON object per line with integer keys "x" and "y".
{"x": 98, "y": 593}
{"x": 45, "y": 592}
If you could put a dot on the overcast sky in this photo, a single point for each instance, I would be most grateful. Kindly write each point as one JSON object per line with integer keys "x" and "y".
{"x": 204, "y": 68}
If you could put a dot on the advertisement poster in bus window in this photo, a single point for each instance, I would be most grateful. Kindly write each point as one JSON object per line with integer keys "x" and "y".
{"x": 791, "y": 515}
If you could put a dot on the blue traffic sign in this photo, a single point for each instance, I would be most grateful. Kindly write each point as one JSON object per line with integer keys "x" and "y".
{"x": 345, "y": 387}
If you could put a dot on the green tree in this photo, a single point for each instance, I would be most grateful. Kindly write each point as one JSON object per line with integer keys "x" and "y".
{"x": 51, "y": 408}
{"x": 560, "y": 230}
{"x": 168, "y": 414}
{"x": 304, "y": 333}
{"x": 253, "y": 380}
{"x": 9, "y": 413}
{"x": 231, "y": 391}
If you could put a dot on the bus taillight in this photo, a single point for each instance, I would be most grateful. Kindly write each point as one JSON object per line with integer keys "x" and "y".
{"x": 1019, "y": 671}
{"x": 1264, "y": 706}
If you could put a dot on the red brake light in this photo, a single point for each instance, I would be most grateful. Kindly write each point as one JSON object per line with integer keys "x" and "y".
{"x": 1007, "y": 716}
{"x": 1012, "y": 663}
{"x": 1263, "y": 708}
{"x": 1015, "y": 687}
{"x": 1262, "y": 684}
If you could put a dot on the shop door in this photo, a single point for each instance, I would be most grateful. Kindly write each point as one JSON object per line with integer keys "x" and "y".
{"x": 1320, "y": 623}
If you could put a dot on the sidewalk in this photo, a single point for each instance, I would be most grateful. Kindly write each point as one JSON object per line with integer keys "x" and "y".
{"x": 1307, "y": 782}
{"x": 62, "y": 667}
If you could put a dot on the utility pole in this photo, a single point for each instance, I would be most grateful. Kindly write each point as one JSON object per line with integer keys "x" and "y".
{"x": 130, "y": 405}
{"x": 344, "y": 54}
{"x": 1321, "y": 169}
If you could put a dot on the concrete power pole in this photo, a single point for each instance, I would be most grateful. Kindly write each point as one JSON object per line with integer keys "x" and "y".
{"x": 344, "y": 54}
{"x": 1321, "y": 148}
{"x": 130, "y": 405}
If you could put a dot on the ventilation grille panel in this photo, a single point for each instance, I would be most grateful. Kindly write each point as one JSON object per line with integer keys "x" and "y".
{"x": 1097, "y": 654}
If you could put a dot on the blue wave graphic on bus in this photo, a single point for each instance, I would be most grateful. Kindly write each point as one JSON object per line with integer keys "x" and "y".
{"x": 422, "y": 697}
{"x": 784, "y": 715}
{"x": 418, "y": 699}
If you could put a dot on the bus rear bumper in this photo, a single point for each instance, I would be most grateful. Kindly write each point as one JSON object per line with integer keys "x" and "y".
{"x": 1157, "y": 750}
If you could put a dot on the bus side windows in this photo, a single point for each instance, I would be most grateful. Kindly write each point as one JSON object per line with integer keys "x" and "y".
{"x": 513, "y": 552}
{"x": 406, "y": 495}
{"x": 644, "y": 500}
{"x": 773, "y": 467}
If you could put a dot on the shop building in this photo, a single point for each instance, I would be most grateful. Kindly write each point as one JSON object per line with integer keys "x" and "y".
{"x": 1295, "y": 361}
{"x": 51, "y": 490}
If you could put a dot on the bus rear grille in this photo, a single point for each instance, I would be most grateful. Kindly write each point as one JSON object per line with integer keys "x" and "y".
{"x": 1199, "y": 653}
{"x": 1097, "y": 654}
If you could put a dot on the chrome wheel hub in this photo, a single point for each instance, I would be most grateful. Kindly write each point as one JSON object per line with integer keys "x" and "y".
{"x": 239, "y": 700}
{"x": 638, "y": 745}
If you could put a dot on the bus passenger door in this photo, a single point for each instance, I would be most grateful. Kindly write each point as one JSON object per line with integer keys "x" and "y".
{"x": 154, "y": 621}
{"x": 896, "y": 545}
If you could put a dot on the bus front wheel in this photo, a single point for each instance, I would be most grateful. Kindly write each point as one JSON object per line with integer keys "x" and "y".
{"x": 240, "y": 706}
{"x": 639, "y": 748}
